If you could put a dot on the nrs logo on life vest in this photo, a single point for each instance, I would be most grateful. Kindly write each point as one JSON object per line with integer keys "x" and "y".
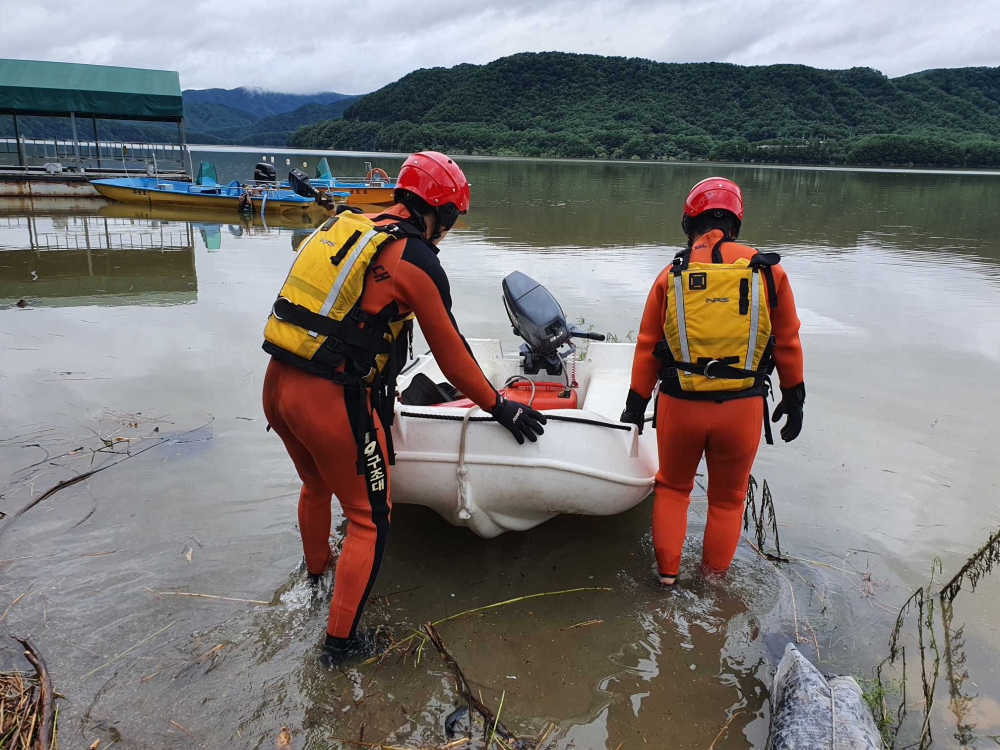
{"x": 717, "y": 299}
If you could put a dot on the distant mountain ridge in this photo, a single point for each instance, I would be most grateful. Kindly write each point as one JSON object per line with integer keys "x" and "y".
{"x": 561, "y": 104}
{"x": 258, "y": 102}
{"x": 243, "y": 116}
{"x": 254, "y": 116}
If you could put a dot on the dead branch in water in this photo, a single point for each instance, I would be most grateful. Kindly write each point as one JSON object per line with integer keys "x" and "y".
{"x": 723, "y": 730}
{"x": 407, "y": 642}
{"x": 37, "y": 716}
{"x": 975, "y": 568}
{"x": 489, "y": 718}
{"x": 209, "y": 596}
{"x": 158, "y": 441}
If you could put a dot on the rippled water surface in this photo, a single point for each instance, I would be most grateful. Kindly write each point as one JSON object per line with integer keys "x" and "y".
{"x": 138, "y": 354}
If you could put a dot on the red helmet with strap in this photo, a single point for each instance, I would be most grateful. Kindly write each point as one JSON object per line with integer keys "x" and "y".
{"x": 439, "y": 181}
{"x": 715, "y": 193}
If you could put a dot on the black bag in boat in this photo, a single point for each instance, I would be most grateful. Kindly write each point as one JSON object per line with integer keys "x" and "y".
{"x": 422, "y": 391}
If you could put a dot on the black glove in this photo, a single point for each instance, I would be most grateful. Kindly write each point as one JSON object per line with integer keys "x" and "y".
{"x": 522, "y": 421}
{"x": 635, "y": 410}
{"x": 792, "y": 400}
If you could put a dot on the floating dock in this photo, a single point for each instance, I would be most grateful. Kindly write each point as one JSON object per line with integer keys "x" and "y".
{"x": 71, "y": 150}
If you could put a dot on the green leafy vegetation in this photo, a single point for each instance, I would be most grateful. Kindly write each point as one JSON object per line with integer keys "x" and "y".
{"x": 588, "y": 106}
{"x": 275, "y": 130}
{"x": 874, "y": 694}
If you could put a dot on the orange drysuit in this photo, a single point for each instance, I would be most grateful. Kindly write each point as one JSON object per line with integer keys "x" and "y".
{"x": 727, "y": 432}
{"x": 316, "y": 419}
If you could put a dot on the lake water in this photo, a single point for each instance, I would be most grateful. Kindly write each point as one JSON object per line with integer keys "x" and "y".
{"x": 140, "y": 347}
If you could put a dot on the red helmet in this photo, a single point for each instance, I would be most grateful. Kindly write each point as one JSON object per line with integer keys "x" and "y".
{"x": 715, "y": 192}
{"x": 439, "y": 181}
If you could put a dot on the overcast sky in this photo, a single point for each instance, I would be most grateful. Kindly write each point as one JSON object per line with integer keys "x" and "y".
{"x": 357, "y": 46}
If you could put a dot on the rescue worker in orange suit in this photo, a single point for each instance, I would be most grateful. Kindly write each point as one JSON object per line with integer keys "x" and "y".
{"x": 716, "y": 322}
{"x": 330, "y": 386}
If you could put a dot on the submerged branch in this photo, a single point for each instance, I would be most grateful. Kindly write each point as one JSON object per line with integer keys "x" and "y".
{"x": 158, "y": 441}
{"x": 466, "y": 691}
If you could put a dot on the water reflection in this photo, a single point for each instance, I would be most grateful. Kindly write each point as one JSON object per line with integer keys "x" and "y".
{"x": 90, "y": 253}
{"x": 898, "y": 284}
{"x": 57, "y": 260}
{"x": 559, "y": 205}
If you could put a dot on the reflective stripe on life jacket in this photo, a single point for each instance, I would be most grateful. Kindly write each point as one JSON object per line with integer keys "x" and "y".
{"x": 717, "y": 328}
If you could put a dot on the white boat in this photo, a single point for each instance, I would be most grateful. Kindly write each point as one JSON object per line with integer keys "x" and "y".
{"x": 455, "y": 459}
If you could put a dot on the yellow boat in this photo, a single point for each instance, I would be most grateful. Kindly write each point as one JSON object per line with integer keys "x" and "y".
{"x": 375, "y": 188}
{"x": 206, "y": 192}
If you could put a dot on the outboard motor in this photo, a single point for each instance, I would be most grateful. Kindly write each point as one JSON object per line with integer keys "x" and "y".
{"x": 299, "y": 182}
{"x": 538, "y": 319}
{"x": 264, "y": 172}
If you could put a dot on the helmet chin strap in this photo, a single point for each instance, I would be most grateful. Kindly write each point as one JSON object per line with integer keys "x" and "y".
{"x": 416, "y": 218}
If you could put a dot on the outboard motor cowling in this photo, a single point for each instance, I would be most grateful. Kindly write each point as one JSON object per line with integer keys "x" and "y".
{"x": 300, "y": 185}
{"x": 264, "y": 172}
{"x": 535, "y": 314}
{"x": 298, "y": 181}
{"x": 539, "y": 319}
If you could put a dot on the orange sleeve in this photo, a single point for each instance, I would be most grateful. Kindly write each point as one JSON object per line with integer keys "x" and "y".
{"x": 646, "y": 363}
{"x": 420, "y": 284}
{"x": 785, "y": 329}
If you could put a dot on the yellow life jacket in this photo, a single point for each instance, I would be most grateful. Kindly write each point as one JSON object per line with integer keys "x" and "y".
{"x": 717, "y": 328}
{"x": 317, "y": 322}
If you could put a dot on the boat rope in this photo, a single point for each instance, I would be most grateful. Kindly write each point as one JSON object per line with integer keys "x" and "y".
{"x": 833, "y": 719}
{"x": 464, "y": 509}
{"x": 548, "y": 418}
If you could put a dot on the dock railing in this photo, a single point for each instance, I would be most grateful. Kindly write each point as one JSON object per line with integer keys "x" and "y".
{"x": 83, "y": 156}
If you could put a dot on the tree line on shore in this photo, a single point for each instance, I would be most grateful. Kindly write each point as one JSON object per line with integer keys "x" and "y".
{"x": 587, "y": 106}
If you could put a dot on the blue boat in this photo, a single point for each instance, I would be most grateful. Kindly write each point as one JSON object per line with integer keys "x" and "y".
{"x": 206, "y": 192}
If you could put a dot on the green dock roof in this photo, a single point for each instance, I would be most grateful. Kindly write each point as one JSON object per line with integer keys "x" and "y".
{"x": 30, "y": 87}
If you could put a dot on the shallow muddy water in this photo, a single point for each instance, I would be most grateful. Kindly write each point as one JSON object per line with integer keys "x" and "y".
{"x": 139, "y": 351}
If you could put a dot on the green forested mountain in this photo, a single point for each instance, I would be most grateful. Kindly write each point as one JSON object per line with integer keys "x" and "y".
{"x": 241, "y": 116}
{"x": 276, "y": 129}
{"x": 558, "y": 104}
{"x": 207, "y": 117}
{"x": 254, "y": 117}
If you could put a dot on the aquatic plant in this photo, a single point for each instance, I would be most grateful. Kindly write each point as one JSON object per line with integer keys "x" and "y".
{"x": 926, "y": 604}
{"x": 975, "y": 568}
{"x": 874, "y": 694}
{"x": 762, "y": 519}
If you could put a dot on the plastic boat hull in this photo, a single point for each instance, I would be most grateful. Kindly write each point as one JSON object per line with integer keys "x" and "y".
{"x": 150, "y": 192}
{"x": 587, "y": 463}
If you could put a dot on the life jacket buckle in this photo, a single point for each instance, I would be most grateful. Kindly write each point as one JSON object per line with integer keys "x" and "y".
{"x": 709, "y": 364}
{"x": 274, "y": 307}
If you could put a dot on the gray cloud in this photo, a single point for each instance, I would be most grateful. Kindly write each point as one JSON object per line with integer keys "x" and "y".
{"x": 357, "y": 47}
